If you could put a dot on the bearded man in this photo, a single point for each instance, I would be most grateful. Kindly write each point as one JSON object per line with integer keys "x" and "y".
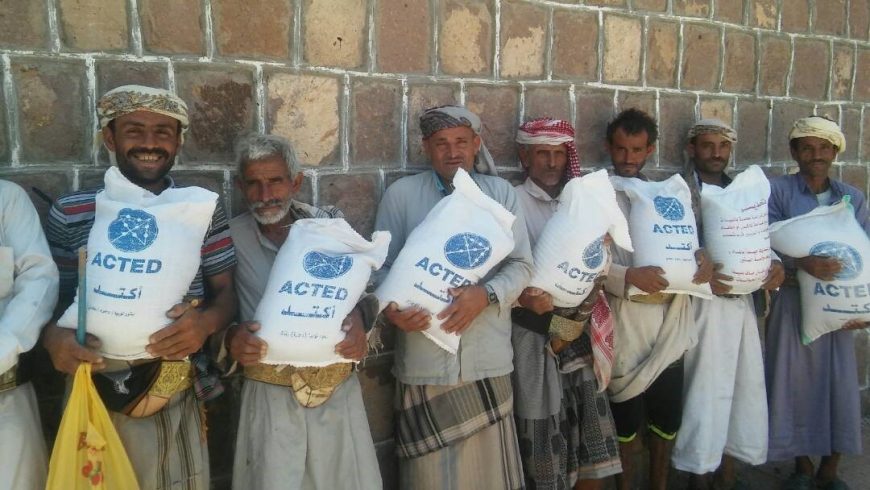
{"x": 144, "y": 127}
{"x": 566, "y": 431}
{"x": 455, "y": 426}
{"x": 292, "y": 436}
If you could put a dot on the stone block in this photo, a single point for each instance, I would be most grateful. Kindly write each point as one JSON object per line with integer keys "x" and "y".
{"x": 547, "y": 102}
{"x": 51, "y": 183}
{"x": 865, "y": 141}
{"x": 662, "y": 49}
{"x": 221, "y": 105}
{"x": 111, "y": 74}
{"x": 775, "y": 59}
{"x": 378, "y": 390}
{"x": 841, "y": 74}
{"x": 785, "y": 113}
{"x": 645, "y": 101}
{"x": 304, "y": 109}
{"x": 498, "y": 108}
{"x": 855, "y": 175}
{"x": 762, "y": 13}
{"x": 752, "y": 129}
{"x": 52, "y": 113}
{"x": 421, "y": 97}
{"x": 23, "y": 24}
{"x": 607, "y": 3}
{"x": 650, "y": 5}
{"x": 850, "y": 122}
{"x": 700, "y": 57}
{"x": 404, "y": 33}
{"x": 859, "y": 19}
{"x": 676, "y": 116}
{"x": 692, "y": 8}
{"x": 334, "y": 40}
{"x": 213, "y": 180}
{"x": 862, "y": 81}
{"x": 575, "y": 44}
{"x": 830, "y": 17}
{"x": 4, "y": 145}
{"x": 375, "y": 124}
{"x": 718, "y": 108}
{"x": 740, "y": 59}
{"x": 831, "y": 111}
{"x": 729, "y": 11}
{"x": 173, "y": 26}
{"x": 357, "y": 195}
{"x": 465, "y": 40}
{"x": 515, "y": 177}
{"x": 523, "y": 40}
{"x": 594, "y": 111}
{"x": 253, "y": 29}
{"x": 795, "y": 15}
{"x": 811, "y": 68}
{"x": 91, "y": 25}
{"x": 389, "y": 178}
{"x": 622, "y": 49}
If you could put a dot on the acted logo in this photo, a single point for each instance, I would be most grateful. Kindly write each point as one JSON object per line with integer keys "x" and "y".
{"x": 669, "y": 208}
{"x": 324, "y": 266}
{"x": 133, "y": 230}
{"x": 849, "y": 258}
{"x": 593, "y": 254}
{"x": 467, "y": 250}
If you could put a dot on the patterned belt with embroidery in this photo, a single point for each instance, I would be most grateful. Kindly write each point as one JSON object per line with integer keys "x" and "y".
{"x": 7, "y": 380}
{"x": 312, "y": 386}
{"x": 652, "y": 299}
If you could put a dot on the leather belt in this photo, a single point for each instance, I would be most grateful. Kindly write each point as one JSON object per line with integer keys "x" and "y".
{"x": 171, "y": 378}
{"x": 312, "y": 386}
{"x": 652, "y": 299}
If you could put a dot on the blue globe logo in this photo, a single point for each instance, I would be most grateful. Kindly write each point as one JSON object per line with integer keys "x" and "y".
{"x": 669, "y": 208}
{"x": 850, "y": 260}
{"x": 467, "y": 250}
{"x": 593, "y": 255}
{"x": 324, "y": 266}
{"x": 133, "y": 230}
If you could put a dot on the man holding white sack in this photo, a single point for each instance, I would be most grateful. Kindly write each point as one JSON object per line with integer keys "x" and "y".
{"x": 652, "y": 331}
{"x": 553, "y": 348}
{"x": 28, "y": 292}
{"x": 812, "y": 389}
{"x": 295, "y": 430}
{"x": 725, "y": 409}
{"x": 467, "y": 437}
{"x": 143, "y": 127}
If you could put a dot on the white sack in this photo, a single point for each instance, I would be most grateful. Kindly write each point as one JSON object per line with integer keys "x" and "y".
{"x": 735, "y": 229}
{"x": 830, "y": 231}
{"x": 464, "y": 236}
{"x": 143, "y": 254}
{"x": 319, "y": 275}
{"x": 570, "y": 253}
{"x": 663, "y": 231}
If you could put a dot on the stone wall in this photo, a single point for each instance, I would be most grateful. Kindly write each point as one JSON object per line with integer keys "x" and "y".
{"x": 346, "y": 79}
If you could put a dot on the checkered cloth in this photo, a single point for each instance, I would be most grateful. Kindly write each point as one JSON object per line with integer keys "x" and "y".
{"x": 548, "y": 131}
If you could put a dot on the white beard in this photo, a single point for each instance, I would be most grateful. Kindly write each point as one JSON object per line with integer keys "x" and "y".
{"x": 271, "y": 218}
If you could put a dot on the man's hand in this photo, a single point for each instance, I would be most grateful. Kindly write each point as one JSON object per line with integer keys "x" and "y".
{"x": 182, "y": 337}
{"x": 717, "y": 282}
{"x": 66, "y": 354}
{"x": 245, "y": 347}
{"x": 775, "y": 276}
{"x": 468, "y": 302}
{"x": 705, "y": 267}
{"x": 855, "y": 325}
{"x": 413, "y": 319}
{"x": 824, "y": 268}
{"x": 536, "y": 300}
{"x": 355, "y": 346}
{"x": 649, "y": 279}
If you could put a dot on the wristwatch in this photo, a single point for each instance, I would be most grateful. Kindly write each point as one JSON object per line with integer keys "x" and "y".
{"x": 490, "y": 294}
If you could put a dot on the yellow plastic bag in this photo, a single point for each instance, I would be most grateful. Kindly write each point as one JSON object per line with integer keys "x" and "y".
{"x": 88, "y": 453}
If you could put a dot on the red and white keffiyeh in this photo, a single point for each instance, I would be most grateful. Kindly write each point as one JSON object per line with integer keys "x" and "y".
{"x": 549, "y": 131}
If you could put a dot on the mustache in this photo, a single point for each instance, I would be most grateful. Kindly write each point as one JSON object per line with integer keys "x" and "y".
{"x": 154, "y": 151}
{"x": 266, "y": 204}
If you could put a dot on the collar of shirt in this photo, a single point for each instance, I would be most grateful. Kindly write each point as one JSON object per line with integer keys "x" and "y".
{"x": 836, "y": 188}
{"x": 535, "y": 191}
{"x": 443, "y": 187}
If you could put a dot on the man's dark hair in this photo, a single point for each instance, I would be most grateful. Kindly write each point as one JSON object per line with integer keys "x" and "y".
{"x": 633, "y": 121}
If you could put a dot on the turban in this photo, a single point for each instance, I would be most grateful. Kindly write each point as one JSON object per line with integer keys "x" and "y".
{"x": 547, "y": 131}
{"x": 713, "y": 126}
{"x": 451, "y": 116}
{"x": 131, "y": 98}
{"x": 819, "y": 127}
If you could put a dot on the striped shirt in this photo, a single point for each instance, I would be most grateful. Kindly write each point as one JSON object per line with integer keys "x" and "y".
{"x": 69, "y": 224}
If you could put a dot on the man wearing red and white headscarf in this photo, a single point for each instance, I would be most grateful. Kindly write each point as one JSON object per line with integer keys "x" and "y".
{"x": 562, "y": 356}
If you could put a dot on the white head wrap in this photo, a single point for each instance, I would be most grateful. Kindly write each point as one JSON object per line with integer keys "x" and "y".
{"x": 131, "y": 98}
{"x": 819, "y": 127}
{"x": 451, "y": 116}
{"x": 713, "y": 126}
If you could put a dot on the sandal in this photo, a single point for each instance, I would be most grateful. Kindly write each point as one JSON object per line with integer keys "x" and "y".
{"x": 798, "y": 481}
